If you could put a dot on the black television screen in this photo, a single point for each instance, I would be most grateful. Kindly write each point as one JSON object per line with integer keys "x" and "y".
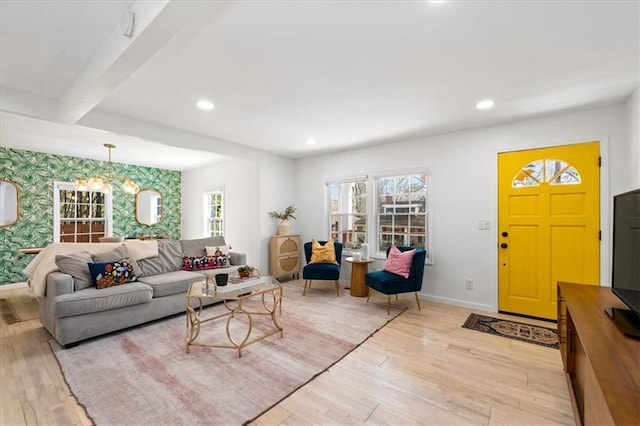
{"x": 625, "y": 277}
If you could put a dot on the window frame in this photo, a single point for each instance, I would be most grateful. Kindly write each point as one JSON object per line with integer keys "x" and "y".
{"x": 372, "y": 208}
{"x": 59, "y": 186}
{"x": 207, "y": 198}
{"x": 428, "y": 213}
{"x": 343, "y": 180}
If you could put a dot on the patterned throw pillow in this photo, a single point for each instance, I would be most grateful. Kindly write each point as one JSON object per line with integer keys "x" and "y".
{"x": 399, "y": 262}
{"x": 110, "y": 274}
{"x": 222, "y": 255}
{"x": 323, "y": 253}
{"x": 204, "y": 262}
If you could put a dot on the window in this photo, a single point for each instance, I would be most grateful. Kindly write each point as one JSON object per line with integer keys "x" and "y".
{"x": 214, "y": 213}
{"x": 80, "y": 216}
{"x": 402, "y": 211}
{"x": 348, "y": 212}
{"x": 550, "y": 170}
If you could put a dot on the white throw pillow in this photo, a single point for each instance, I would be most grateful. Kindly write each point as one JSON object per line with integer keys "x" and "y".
{"x": 211, "y": 251}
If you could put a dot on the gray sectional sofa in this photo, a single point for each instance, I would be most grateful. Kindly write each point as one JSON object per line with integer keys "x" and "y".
{"x": 72, "y": 313}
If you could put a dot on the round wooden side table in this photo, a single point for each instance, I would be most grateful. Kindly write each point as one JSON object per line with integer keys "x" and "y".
{"x": 359, "y": 269}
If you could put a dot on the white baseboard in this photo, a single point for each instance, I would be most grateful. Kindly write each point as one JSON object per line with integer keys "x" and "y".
{"x": 458, "y": 302}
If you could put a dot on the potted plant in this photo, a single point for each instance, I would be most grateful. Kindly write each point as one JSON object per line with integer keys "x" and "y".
{"x": 284, "y": 228}
{"x": 246, "y": 271}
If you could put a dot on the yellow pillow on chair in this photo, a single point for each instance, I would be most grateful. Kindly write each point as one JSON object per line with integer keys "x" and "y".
{"x": 323, "y": 254}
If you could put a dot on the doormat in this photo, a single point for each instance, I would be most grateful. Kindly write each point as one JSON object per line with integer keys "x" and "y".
{"x": 513, "y": 330}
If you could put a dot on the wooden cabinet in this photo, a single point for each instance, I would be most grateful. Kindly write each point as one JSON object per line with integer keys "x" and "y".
{"x": 285, "y": 255}
{"x": 602, "y": 365}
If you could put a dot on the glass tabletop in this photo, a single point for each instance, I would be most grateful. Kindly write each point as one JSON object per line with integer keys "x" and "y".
{"x": 233, "y": 290}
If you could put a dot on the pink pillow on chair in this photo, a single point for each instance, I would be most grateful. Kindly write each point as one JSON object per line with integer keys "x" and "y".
{"x": 399, "y": 262}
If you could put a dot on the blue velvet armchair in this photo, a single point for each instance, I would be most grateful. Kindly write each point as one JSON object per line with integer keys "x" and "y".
{"x": 388, "y": 283}
{"x": 322, "y": 271}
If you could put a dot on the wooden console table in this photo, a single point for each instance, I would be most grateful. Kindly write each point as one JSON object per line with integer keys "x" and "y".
{"x": 29, "y": 250}
{"x": 602, "y": 365}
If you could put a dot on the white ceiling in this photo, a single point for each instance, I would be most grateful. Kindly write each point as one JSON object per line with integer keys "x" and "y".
{"x": 347, "y": 74}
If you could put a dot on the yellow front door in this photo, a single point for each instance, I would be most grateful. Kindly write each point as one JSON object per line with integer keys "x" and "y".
{"x": 548, "y": 225}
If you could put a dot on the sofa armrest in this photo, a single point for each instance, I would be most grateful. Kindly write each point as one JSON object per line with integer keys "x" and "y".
{"x": 57, "y": 284}
{"x": 237, "y": 258}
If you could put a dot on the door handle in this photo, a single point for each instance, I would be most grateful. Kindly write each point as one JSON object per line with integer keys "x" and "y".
{"x": 504, "y": 245}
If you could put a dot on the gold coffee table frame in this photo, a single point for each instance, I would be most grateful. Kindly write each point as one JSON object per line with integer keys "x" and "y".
{"x": 232, "y": 296}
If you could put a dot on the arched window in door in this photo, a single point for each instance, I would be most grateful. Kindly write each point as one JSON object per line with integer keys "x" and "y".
{"x": 551, "y": 171}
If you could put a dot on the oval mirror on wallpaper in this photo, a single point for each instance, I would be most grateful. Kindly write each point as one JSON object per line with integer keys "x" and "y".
{"x": 148, "y": 207}
{"x": 8, "y": 203}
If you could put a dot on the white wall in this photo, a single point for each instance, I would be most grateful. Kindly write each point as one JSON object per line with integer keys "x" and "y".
{"x": 631, "y": 178}
{"x": 239, "y": 180}
{"x": 251, "y": 189}
{"x": 463, "y": 185}
{"x": 277, "y": 191}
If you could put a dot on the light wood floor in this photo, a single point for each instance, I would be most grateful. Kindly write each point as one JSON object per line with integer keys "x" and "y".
{"x": 422, "y": 368}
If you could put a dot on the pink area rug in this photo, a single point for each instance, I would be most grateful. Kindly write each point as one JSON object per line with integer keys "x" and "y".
{"x": 143, "y": 376}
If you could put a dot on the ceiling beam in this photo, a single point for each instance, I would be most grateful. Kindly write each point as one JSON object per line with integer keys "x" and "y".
{"x": 27, "y": 104}
{"x": 155, "y": 24}
{"x": 169, "y": 136}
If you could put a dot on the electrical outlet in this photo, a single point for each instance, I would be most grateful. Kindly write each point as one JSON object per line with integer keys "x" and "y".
{"x": 468, "y": 284}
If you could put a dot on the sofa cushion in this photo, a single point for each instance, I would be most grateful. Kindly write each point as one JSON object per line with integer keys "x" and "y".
{"x": 77, "y": 266}
{"x": 92, "y": 300}
{"x": 321, "y": 271}
{"x": 109, "y": 274}
{"x": 196, "y": 248}
{"x": 171, "y": 282}
{"x": 389, "y": 283}
{"x": 118, "y": 253}
{"x": 142, "y": 249}
{"x": 169, "y": 258}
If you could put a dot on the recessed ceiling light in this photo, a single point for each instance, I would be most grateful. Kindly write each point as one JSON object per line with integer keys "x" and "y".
{"x": 486, "y": 104}
{"x": 205, "y": 105}
{"x": 310, "y": 142}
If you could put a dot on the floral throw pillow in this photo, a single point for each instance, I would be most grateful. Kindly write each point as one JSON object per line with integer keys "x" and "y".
{"x": 109, "y": 274}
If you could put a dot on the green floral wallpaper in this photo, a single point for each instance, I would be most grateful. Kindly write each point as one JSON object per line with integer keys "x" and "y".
{"x": 34, "y": 174}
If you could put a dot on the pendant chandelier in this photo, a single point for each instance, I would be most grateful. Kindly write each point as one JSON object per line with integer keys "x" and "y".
{"x": 103, "y": 183}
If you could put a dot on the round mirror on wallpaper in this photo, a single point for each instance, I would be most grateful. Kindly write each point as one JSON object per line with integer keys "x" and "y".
{"x": 148, "y": 207}
{"x": 8, "y": 203}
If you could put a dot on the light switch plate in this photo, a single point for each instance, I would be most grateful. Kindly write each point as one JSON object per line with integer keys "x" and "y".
{"x": 484, "y": 225}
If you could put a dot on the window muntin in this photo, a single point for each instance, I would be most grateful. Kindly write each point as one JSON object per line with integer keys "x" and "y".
{"x": 214, "y": 213}
{"x": 550, "y": 170}
{"x": 348, "y": 212}
{"x": 80, "y": 216}
{"x": 402, "y": 211}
